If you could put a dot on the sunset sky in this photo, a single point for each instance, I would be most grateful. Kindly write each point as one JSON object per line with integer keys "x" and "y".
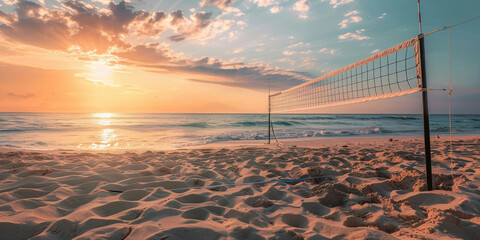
{"x": 216, "y": 55}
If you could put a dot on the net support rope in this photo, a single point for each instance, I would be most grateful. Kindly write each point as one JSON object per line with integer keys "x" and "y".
{"x": 450, "y": 101}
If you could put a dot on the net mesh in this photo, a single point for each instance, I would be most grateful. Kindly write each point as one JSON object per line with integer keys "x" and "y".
{"x": 391, "y": 73}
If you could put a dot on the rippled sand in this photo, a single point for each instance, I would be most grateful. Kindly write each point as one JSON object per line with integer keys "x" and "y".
{"x": 366, "y": 189}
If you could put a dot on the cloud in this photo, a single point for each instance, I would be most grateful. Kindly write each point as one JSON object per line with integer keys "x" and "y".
{"x": 307, "y": 62}
{"x": 252, "y": 76}
{"x": 238, "y": 50}
{"x": 94, "y": 29}
{"x": 84, "y": 25}
{"x": 81, "y": 29}
{"x": 153, "y": 53}
{"x": 357, "y": 35}
{"x": 288, "y": 53}
{"x": 104, "y": 2}
{"x": 10, "y": 2}
{"x": 352, "y": 13}
{"x": 302, "y": 6}
{"x": 155, "y": 57}
{"x": 263, "y": 3}
{"x": 382, "y": 16}
{"x": 198, "y": 22}
{"x": 222, "y": 4}
{"x": 352, "y": 19}
{"x": 375, "y": 51}
{"x": 151, "y": 24}
{"x": 275, "y": 9}
{"x": 32, "y": 25}
{"x": 20, "y": 96}
{"x": 287, "y": 60}
{"x": 327, "y": 50}
{"x": 296, "y": 45}
{"x": 336, "y": 3}
{"x": 267, "y": 3}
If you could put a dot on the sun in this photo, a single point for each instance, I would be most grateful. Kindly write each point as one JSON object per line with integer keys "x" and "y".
{"x": 100, "y": 72}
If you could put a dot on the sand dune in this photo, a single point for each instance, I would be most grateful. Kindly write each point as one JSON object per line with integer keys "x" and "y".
{"x": 368, "y": 189}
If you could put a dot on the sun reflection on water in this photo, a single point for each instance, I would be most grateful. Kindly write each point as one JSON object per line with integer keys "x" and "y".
{"x": 107, "y": 136}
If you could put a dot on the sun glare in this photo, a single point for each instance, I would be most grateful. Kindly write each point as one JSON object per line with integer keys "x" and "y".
{"x": 100, "y": 72}
{"x": 103, "y": 115}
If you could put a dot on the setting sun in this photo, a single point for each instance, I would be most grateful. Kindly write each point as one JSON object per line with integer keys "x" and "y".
{"x": 100, "y": 73}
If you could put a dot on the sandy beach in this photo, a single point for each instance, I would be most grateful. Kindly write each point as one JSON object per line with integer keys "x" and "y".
{"x": 365, "y": 188}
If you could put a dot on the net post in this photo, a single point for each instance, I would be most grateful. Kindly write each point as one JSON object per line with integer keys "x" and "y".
{"x": 426, "y": 120}
{"x": 269, "y": 119}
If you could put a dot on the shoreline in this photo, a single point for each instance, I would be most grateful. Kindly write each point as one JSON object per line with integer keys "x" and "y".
{"x": 313, "y": 142}
{"x": 309, "y": 142}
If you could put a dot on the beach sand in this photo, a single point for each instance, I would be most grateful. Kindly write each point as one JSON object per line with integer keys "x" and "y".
{"x": 367, "y": 188}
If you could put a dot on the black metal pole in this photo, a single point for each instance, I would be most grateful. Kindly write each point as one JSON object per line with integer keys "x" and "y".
{"x": 426, "y": 120}
{"x": 269, "y": 121}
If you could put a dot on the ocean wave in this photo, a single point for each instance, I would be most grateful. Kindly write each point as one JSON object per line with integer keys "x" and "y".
{"x": 195, "y": 125}
{"x": 265, "y": 123}
{"x": 384, "y": 117}
{"x": 297, "y": 133}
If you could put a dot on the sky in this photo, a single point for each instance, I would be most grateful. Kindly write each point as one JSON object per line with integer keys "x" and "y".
{"x": 218, "y": 55}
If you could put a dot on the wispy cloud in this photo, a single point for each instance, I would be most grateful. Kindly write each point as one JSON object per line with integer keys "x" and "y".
{"x": 10, "y": 2}
{"x": 20, "y": 95}
{"x": 307, "y": 62}
{"x": 375, "y": 51}
{"x": 287, "y": 60}
{"x": 296, "y": 45}
{"x": 238, "y": 50}
{"x": 382, "y": 16}
{"x": 352, "y": 18}
{"x": 357, "y": 35}
{"x": 336, "y": 3}
{"x": 263, "y": 3}
{"x": 268, "y": 3}
{"x": 288, "y": 53}
{"x": 222, "y": 4}
{"x": 327, "y": 50}
{"x": 352, "y": 13}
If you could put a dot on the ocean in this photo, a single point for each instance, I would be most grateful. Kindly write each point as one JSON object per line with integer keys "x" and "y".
{"x": 171, "y": 131}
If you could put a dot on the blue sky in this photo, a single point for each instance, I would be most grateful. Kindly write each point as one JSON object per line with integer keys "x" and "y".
{"x": 291, "y": 41}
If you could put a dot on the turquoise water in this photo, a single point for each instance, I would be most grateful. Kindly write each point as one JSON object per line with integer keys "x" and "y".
{"x": 169, "y": 131}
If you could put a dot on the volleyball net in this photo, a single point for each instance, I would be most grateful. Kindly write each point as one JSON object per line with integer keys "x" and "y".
{"x": 390, "y": 73}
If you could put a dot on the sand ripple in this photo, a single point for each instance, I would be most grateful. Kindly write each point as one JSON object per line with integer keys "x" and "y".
{"x": 372, "y": 190}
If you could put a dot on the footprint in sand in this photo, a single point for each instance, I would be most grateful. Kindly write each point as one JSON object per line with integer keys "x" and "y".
{"x": 315, "y": 208}
{"x": 196, "y": 213}
{"x": 23, "y": 193}
{"x": 295, "y": 220}
{"x": 133, "y": 195}
{"x": 273, "y": 194}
